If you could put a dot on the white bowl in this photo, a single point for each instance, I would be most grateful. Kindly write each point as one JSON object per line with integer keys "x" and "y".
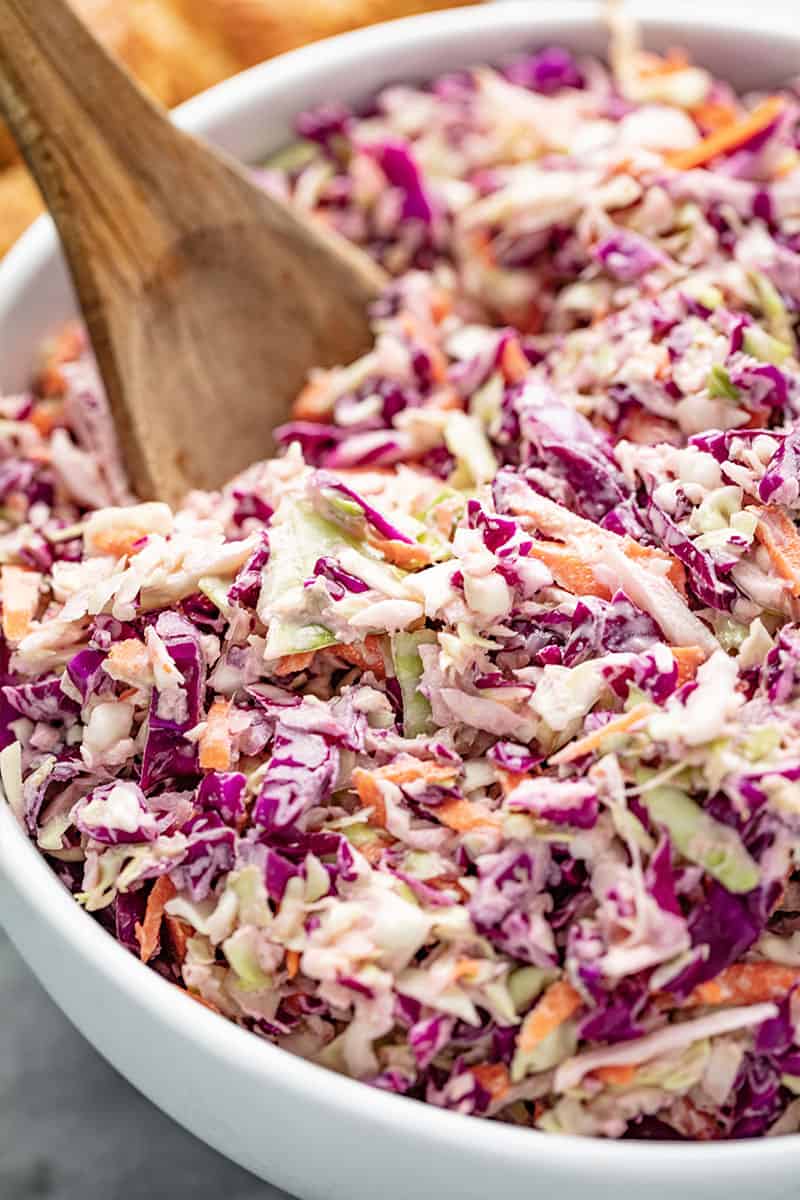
{"x": 320, "y": 1136}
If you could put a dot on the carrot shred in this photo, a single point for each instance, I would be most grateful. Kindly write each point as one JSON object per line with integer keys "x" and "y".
{"x": 20, "y": 600}
{"x": 723, "y": 140}
{"x": 178, "y": 934}
{"x": 513, "y": 361}
{"x": 676, "y": 573}
{"x": 465, "y": 817}
{"x": 786, "y": 165}
{"x": 370, "y": 795}
{"x": 778, "y": 535}
{"x": 367, "y": 654}
{"x": 529, "y": 319}
{"x": 441, "y": 304}
{"x": 653, "y": 66}
{"x": 466, "y": 968}
{"x": 289, "y": 663}
{"x": 314, "y": 402}
{"x": 292, "y": 963}
{"x": 120, "y": 542}
{"x": 509, "y": 780}
{"x": 215, "y": 740}
{"x": 408, "y": 555}
{"x": 624, "y": 723}
{"x": 555, "y": 1007}
{"x": 405, "y": 770}
{"x": 408, "y": 769}
{"x": 619, "y": 1076}
{"x": 47, "y": 415}
{"x": 689, "y": 659}
{"x": 414, "y": 331}
{"x": 129, "y": 661}
{"x": 444, "y": 399}
{"x": 746, "y": 983}
{"x": 569, "y": 569}
{"x": 713, "y": 115}
{"x": 493, "y": 1078}
{"x": 148, "y": 933}
{"x": 200, "y": 1000}
{"x": 480, "y": 243}
{"x": 373, "y": 850}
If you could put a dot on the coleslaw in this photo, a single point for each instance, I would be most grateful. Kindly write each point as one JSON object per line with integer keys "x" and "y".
{"x": 457, "y": 748}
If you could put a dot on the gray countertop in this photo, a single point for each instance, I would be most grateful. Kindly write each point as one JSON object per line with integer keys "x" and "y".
{"x": 72, "y": 1129}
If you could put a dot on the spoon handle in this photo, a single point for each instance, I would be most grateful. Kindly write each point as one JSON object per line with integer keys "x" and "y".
{"x": 85, "y": 153}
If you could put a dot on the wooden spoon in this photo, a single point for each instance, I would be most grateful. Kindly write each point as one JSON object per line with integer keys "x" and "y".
{"x": 206, "y": 300}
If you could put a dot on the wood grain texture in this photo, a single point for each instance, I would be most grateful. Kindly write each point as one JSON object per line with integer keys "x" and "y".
{"x": 207, "y": 301}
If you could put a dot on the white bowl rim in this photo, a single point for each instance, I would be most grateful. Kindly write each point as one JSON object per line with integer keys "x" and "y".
{"x": 40, "y": 889}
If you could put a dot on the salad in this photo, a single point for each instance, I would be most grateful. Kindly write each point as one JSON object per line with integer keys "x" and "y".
{"x": 457, "y": 748}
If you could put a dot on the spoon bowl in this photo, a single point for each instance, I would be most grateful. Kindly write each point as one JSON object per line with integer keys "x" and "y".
{"x": 207, "y": 300}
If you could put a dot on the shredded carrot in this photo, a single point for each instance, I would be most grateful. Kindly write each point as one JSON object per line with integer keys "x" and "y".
{"x": 408, "y": 555}
{"x": 441, "y": 305}
{"x": 367, "y": 654}
{"x": 408, "y": 769}
{"x": 215, "y": 740}
{"x": 314, "y": 402}
{"x": 178, "y": 934}
{"x": 370, "y": 795}
{"x": 513, "y": 361}
{"x": 746, "y": 983}
{"x": 47, "y": 415}
{"x": 464, "y": 816}
{"x": 199, "y": 1000}
{"x": 122, "y": 540}
{"x": 405, "y": 770}
{"x": 645, "y": 429}
{"x": 148, "y": 933}
{"x": 68, "y": 345}
{"x": 413, "y": 330}
{"x": 573, "y": 564}
{"x": 652, "y": 66}
{"x": 509, "y": 780}
{"x": 466, "y": 968}
{"x": 675, "y": 572}
{"x": 444, "y": 399}
{"x": 692, "y": 1122}
{"x": 778, "y": 535}
{"x": 614, "y": 1076}
{"x": 527, "y": 320}
{"x": 786, "y": 164}
{"x": 448, "y": 883}
{"x": 569, "y": 569}
{"x": 493, "y": 1078}
{"x": 129, "y": 662}
{"x": 480, "y": 243}
{"x": 292, "y": 963}
{"x": 446, "y": 513}
{"x": 555, "y": 1007}
{"x": 714, "y": 114}
{"x": 688, "y": 658}
{"x": 729, "y": 137}
{"x": 289, "y": 663}
{"x": 624, "y": 723}
{"x": 20, "y": 600}
{"x": 373, "y": 850}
